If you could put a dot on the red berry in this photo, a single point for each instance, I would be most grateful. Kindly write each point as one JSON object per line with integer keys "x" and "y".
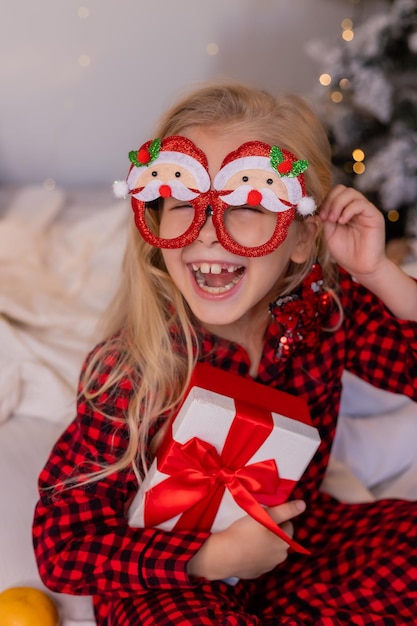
{"x": 284, "y": 167}
{"x": 143, "y": 155}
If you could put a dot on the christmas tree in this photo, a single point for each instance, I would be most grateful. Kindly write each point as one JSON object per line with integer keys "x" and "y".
{"x": 368, "y": 103}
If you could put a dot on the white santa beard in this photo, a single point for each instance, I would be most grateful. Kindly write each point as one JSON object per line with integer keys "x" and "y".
{"x": 152, "y": 191}
{"x": 270, "y": 201}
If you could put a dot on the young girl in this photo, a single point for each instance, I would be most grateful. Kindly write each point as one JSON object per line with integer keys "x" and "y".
{"x": 240, "y": 255}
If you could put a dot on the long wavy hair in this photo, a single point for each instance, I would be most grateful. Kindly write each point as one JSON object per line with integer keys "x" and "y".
{"x": 138, "y": 324}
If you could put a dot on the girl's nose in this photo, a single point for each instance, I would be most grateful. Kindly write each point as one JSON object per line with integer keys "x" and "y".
{"x": 207, "y": 234}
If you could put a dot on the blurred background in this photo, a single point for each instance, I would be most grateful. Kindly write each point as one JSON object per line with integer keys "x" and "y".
{"x": 84, "y": 81}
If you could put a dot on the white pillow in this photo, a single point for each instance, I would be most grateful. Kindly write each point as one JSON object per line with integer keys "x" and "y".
{"x": 360, "y": 399}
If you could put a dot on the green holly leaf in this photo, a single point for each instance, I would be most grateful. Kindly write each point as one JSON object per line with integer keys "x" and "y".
{"x": 133, "y": 157}
{"x": 154, "y": 149}
{"x": 275, "y": 157}
{"x": 298, "y": 167}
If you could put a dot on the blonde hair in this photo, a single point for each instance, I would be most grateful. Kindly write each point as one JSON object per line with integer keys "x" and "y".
{"x": 139, "y": 322}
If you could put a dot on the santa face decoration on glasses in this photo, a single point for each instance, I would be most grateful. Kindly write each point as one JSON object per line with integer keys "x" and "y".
{"x": 252, "y": 200}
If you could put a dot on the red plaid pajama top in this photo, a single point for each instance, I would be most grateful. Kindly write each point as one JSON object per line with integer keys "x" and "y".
{"x": 363, "y": 563}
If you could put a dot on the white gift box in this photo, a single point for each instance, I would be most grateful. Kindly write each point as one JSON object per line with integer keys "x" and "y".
{"x": 215, "y": 400}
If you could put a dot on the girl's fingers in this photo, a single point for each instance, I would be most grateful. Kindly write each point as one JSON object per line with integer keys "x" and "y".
{"x": 288, "y": 528}
{"x": 284, "y": 512}
{"x": 336, "y": 202}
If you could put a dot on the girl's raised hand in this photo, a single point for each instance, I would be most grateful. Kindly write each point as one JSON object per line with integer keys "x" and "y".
{"x": 354, "y": 230}
{"x": 245, "y": 549}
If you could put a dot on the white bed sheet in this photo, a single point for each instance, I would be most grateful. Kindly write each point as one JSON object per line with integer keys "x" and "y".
{"x": 25, "y": 443}
{"x": 60, "y": 256}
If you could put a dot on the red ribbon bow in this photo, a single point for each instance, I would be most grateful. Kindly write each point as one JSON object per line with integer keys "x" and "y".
{"x": 199, "y": 476}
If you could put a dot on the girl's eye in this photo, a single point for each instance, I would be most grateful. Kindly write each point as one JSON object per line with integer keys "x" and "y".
{"x": 183, "y": 206}
{"x": 245, "y": 207}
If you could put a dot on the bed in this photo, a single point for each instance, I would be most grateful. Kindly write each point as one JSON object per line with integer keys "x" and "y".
{"x": 60, "y": 255}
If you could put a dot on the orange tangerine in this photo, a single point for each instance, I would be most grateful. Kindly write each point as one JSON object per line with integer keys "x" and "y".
{"x": 26, "y": 606}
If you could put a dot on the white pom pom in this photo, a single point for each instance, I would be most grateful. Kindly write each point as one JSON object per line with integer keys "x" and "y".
{"x": 120, "y": 188}
{"x": 306, "y": 206}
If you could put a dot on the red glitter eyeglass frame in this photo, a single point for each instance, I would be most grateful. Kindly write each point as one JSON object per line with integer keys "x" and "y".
{"x": 180, "y": 151}
{"x": 210, "y": 200}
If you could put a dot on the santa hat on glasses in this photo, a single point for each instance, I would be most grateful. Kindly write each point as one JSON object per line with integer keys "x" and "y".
{"x": 175, "y": 150}
{"x": 257, "y": 155}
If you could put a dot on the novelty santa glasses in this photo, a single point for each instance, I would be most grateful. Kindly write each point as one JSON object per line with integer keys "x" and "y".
{"x": 252, "y": 199}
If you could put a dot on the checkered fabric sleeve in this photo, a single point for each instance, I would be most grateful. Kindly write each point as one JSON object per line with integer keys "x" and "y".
{"x": 381, "y": 349}
{"x": 82, "y": 541}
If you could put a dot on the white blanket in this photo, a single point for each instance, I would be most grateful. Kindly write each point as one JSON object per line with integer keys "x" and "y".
{"x": 59, "y": 264}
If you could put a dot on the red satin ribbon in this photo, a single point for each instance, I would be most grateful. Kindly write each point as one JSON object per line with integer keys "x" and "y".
{"x": 199, "y": 475}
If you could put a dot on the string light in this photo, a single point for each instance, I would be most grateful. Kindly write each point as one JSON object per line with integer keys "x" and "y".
{"x": 347, "y": 29}
{"x": 83, "y": 13}
{"x": 49, "y": 184}
{"x": 212, "y": 49}
{"x": 358, "y": 168}
{"x": 347, "y": 24}
{"x": 393, "y": 215}
{"x": 325, "y": 80}
{"x": 84, "y": 60}
{"x": 336, "y": 97}
{"x": 358, "y": 156}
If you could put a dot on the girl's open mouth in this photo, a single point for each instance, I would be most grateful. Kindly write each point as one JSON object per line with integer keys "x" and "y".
{"x": 216, "y": 277}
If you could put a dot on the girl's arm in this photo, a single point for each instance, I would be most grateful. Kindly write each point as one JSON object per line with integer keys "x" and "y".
{"x": 84, "y": 546}
{"x": 83, "y": 543}
{"x": 354, "y": 230}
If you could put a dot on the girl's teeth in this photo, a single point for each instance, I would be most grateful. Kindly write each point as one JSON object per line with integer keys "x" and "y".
{"x": 204, "y": 276}
{"x": 213, "y": 268}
